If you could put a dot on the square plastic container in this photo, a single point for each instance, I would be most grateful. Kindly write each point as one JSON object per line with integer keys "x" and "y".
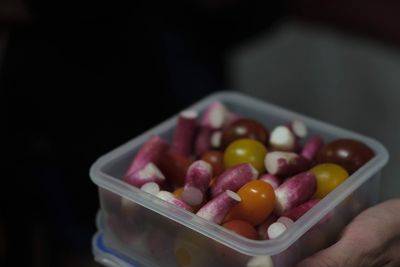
{"x": 154, "y": 233}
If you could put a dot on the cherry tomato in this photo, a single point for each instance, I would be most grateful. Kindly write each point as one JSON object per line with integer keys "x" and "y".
{"x": 245, "y": 151}
{"x": 329, "y": 176}
{"x": 348, "y": 153}
{"x": 244, "y": 128}
{"x": 242, "y": 228}
{"x": 258, "y": 201}
{"x": 216, "y": 160}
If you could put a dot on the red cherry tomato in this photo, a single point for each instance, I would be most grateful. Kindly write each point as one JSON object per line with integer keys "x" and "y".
{"x": 216, "y": 160}
{"x": 242, "y": 228}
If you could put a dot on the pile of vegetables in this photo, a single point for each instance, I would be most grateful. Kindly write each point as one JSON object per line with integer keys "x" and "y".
{"x": 237, "y": 172}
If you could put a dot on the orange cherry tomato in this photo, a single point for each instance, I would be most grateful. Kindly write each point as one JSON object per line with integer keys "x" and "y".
{"x": 242, "y": 228}
{"x": 329, "y": 176}
{"x": 258, "y": 201}
{"x": 245, "y": 151}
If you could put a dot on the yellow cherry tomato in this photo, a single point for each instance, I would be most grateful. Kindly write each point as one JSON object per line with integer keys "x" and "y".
{"x": 258, "y": 201}
{"x": 329, "y": 176}
{"x": 245, "y": 151}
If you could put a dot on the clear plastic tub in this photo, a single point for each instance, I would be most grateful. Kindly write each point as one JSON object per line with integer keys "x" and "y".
{"x": 155, "y": 233}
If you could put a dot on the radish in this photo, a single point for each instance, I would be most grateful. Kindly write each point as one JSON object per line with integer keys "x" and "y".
{"x": 150, "y": 173}
{"x": 295, "y": 191}
{"x": 260, "y": 261}
{"x": 216, "y": 138}
{"x": 262, "y": 229}
{"x": 197, "y": 179}
{"x": 296, "y": 212}
{"x": 274, "y": 181}
{"x": 282, "y": 138}
{"x": 285, "y": 164}
{"x": 216, "y": 209}
{"x": 151, "y": 151}
{"x": 215, "y": 116}
{"x": 234, "y": 178}
{"x": 203, "y": 140}
{"x": 285, "y": 220}
{"x": 183, "y": 139}
{"x": 151, "y": 188}
{"x": 276, "y": 229}
{"x": 298, "y": 128}
{"x": 170, "y": 198}
{"x": 312, "y": 148}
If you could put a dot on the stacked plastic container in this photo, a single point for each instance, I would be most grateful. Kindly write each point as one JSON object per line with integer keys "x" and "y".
{"x": 143, "y": 230}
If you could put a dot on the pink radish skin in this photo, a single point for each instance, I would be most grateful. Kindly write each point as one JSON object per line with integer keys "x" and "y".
{"x": 216, "y": 209}
{"x": 197, "y": 179}
{"x": 183, "y": 139}
{"x": 171, "y": 198}
{"x": 262, "y": 229}
{"x": 215, "y": 116}
{"x": 203, "y": 140}
{"x": 282, "y": 139}
{"x": 296, "y": 212}
{"x": 276, "y": 229}
{"x": 286, "y": 221}
{"x": 234, "y": 178}
{"x": 150, "y": 173}
{"x": 295, "y": 191}
{"x": 151, "y": 151}
{"x": 151, "y": 188}
{"x": 312, "y": 148}
{"x": 285, "y": 164}
{"x": 274, "y": 181}
{"x": 298, "y": 128}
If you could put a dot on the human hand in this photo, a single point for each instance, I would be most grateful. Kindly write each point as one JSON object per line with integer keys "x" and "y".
{"x": 372, "y": 239}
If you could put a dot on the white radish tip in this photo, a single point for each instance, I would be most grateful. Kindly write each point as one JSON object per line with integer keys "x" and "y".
{"x": 285, "y": 220}
{"x": 233, "y": 195}
{"x": 218, "y": 114}
{"x": 276, "y": 229}
{"x": 192, "y": 196}
{"x": 151, "y": 188}
{"x": 282, "y": 136}
{"x": 152, "y": 170}
{"x": 299, "y": 128}
{"x": 165, "y": 195}
{"x": 216, "y": 139}
{"x": 260, "y": 261}
{"x": 189, "y": 114}
{"x": 272, "y": 160}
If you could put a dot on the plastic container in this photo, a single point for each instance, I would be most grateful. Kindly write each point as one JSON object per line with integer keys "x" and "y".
{"x": 154, "y": 233}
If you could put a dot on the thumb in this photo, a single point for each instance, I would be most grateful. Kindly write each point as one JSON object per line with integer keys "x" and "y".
{"x": 338, "y": 255}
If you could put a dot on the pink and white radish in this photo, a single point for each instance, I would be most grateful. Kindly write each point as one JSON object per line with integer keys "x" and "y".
{"x": 295, "y": 191}
{"x": 203, "y": 140}
{"x": 312, "y": 147}
{"x": 215, "y": 116}
{"x": 151, "y": 151}
{"x": 216, "y": 138}
{"x": 274, "y": 181}
{"x": 234, "y": 178}
{"x": 282, "y": 139}
{"x": 185, "y": 130}
{"x": 298, "y": 128}
{"x": 171, "y": 198}
{"x": 276, "y": 229}
{"x": 150, "y": 173}
{"x": 285, "y": 164}
{"x": 217, "y": 208}
{"x": 151, "y": 188}
{"x": 298, "y": 211}
{"x": 197, "y": 179}
{"x": 262, "y": 229}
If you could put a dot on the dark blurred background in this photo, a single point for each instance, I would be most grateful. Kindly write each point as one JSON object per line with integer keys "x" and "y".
{"x": 79, "y": 78}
